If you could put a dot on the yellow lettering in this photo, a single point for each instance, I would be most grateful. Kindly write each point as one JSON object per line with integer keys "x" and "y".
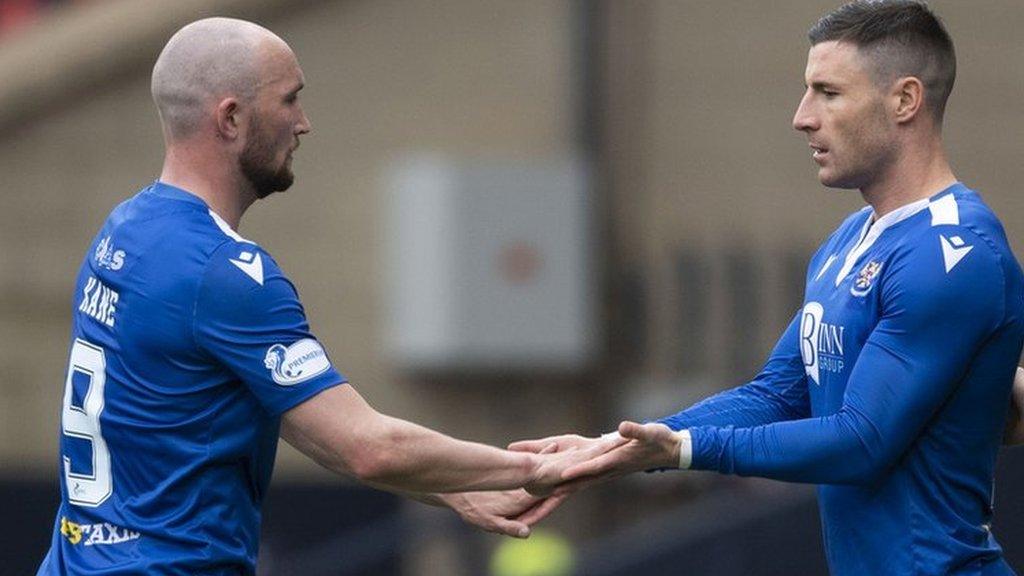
{"x": 70, "y": 530}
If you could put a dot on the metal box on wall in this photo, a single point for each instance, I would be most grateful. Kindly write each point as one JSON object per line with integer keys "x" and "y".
{"x": 488, "y": 264}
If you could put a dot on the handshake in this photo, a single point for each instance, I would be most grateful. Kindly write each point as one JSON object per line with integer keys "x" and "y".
{"x": 562, "y": 465}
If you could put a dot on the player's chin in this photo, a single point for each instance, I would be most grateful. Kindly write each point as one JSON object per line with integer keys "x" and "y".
{"x": 284, "y": 178}
{"x": 832, "y": 179}
{"x": 826, "y": 179}
{"x": 278, "y": 182}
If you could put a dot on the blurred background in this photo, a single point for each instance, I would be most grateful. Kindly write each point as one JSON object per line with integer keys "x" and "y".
{"x": 511, "y": 220}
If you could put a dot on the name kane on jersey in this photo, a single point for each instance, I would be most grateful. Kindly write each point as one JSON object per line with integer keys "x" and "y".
{"x": 99, "y": 301}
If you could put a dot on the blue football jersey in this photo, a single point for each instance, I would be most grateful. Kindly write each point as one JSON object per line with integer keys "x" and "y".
{"x": 187, "y": 344}
{"x": 889, "y": 389}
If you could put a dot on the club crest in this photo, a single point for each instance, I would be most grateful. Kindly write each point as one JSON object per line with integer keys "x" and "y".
{"x": 866, "y": 278}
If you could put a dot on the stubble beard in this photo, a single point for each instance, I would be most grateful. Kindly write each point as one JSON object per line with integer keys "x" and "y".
{"x": 257, "y": 164}
{"x": 874, "y": 147}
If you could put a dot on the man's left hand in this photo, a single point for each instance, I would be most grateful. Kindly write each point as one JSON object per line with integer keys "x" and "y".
{"x": 508, "y": 512}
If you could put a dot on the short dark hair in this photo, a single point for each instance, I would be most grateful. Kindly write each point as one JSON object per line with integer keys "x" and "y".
{"x": 901, "y": 38}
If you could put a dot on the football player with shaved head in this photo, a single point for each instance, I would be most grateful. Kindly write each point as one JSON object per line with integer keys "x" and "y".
{"x": 891, "y": 385}
{"x": 190, "y": 351}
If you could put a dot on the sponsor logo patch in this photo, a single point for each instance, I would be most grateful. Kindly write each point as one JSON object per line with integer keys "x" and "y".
{"x": 821, "y": 343}
{"x": 107, "y": 257}
{"x": 296, "y": 363}
{"x": 95, "y": 534}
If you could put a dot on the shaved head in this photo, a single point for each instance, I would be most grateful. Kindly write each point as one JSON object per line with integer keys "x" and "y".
{"x": 204, "y": 62}
{"x": 228, "y": 95}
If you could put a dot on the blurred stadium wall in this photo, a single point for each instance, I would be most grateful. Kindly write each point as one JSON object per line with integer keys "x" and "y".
{"x": 704, "y": 201}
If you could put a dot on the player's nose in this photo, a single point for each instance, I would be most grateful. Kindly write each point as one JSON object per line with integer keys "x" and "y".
{"x": 304, "y": 126}
{"x": 805, "y": 120}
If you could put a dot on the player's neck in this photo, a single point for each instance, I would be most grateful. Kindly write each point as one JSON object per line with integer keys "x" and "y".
{"x": 225, "y": 192}
{"x": 910, "y": 178}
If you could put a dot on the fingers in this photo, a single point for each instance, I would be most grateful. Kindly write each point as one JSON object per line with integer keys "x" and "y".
{"x": 592, "y": 467}
{"x": 651, "y": 432}
{"x": 495, "y": 511}
{"x": 513, "y": 528}
{"x": 565, "y": 442}
{"x": 603, "y": 457}
{"x": 561, "y": 453}
{"x": 630, "y": 430}
{"x": 569, "y": 487}
{"x": 511, "y": 502}
{"x": 542, "y": 510}
{"x": 535, "y": 446}
{"x": 608, "y": 444}
{"x": 643, "y": 432}
{"x": 549, "y": 449}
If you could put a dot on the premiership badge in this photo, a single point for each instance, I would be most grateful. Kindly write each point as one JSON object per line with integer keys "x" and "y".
{"x": 865, "y": 278}
{"x": 296, "y": 363}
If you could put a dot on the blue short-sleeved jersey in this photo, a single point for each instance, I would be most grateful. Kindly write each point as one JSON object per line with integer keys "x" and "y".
{"x": 889, "y": 389}
{"x": 187, "y": 344}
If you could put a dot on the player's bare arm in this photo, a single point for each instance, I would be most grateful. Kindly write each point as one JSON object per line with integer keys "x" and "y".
{"x": 340, "y": 431}
{"x": 506, "y": 512}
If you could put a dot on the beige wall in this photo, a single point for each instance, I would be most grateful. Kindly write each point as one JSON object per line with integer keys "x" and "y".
{"x": 704, "y": 158}
{"x": 383, "y": 78}
{"x": 700, "y": 157}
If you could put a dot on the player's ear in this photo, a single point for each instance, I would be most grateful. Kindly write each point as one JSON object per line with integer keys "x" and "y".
{"x": 228, "y": 119}
{"x": 908, "y": 95}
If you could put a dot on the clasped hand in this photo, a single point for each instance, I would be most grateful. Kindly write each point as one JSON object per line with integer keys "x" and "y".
{"x": 587, "y": 460}
{"x": 566, "y": 464}
{"x": 556, "y": 456}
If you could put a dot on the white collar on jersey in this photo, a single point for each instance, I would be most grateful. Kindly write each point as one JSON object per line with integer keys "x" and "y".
{"x": 226, "y": 228}
{"x": 873, "y": 228}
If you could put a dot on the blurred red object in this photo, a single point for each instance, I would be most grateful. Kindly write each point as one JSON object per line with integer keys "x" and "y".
{"x": 18, "y": 13}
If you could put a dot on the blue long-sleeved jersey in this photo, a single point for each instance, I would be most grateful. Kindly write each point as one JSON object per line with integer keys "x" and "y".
{"x": 889, "y": 389}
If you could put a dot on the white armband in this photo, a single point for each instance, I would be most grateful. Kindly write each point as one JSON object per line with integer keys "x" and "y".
{"x": 685, "y": 449}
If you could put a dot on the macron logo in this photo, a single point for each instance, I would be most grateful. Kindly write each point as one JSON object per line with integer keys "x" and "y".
{"x": 953, "y": 251}
{"x": 251, "y": 264}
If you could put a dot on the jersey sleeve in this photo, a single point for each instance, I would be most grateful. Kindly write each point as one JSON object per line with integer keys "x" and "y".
{"x": 778, "y": 393}
{"x": 934, "y": 320}
{"x": 248, "y": 318}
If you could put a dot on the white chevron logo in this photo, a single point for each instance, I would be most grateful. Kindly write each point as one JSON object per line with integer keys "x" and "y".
{"x": 953, "y": 251}
{"x": 251, "y": 264}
